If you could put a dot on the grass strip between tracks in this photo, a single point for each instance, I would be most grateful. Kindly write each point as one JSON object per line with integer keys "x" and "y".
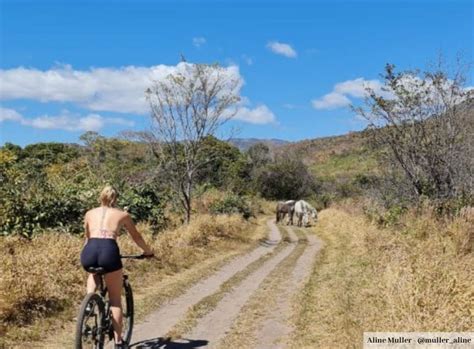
{"x": 261, "y": 303}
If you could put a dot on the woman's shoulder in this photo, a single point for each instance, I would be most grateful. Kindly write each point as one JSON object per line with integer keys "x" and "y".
{"x": 91, "y": 211}
{"x": 119, "y": 212}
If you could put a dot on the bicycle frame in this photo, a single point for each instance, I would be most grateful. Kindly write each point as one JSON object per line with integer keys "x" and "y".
{"x": 105, "y": 326}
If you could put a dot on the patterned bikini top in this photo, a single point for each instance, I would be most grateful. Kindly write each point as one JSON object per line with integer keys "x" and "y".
{"x": 103, "y": 232}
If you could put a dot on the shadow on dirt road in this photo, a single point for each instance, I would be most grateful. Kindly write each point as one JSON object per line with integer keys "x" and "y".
{"x": 167, "y": 343}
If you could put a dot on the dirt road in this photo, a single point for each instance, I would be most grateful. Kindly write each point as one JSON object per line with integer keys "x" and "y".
{"x": 219, "y": 311}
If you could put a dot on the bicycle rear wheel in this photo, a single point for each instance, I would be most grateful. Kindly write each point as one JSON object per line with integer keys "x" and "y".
{"x": 127, "y": 310}
{"x": 89, "y": 334}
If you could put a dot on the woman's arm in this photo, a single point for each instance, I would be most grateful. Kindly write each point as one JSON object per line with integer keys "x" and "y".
{"x": 136, "y": 236}
{"x": 86, "y": 229}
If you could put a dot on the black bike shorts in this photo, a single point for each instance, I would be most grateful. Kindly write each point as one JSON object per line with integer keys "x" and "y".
{"x": 101, "y": 253}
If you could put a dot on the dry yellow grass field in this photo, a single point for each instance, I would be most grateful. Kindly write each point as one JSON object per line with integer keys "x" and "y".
{"x": 41, "y": 281}
{"x": 417, "y": 277}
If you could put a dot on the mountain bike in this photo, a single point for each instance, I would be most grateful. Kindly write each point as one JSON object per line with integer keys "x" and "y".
{"x": 94, "y": 323}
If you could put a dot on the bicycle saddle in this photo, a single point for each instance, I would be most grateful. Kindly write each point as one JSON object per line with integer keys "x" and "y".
{"x": 94, "y": 270}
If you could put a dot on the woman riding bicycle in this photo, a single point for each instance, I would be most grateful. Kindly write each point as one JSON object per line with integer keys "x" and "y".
{"x": 102, "y": 225}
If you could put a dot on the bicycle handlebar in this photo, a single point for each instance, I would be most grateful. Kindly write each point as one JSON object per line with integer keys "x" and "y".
{"x": 138, "y": 256}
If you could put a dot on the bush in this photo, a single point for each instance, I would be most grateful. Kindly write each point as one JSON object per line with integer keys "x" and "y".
{"x": 384, "y": 217}
{"x": 285, "y": 178}
{"x": 145, "y": 204}
{"x": 231, "y": 204}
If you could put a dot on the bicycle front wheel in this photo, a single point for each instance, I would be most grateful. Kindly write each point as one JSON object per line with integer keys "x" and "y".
{"x": 127, "y": 310}
{"x": 89, "y": 333}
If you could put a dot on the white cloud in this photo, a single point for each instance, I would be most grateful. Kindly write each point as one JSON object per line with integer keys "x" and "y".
{"x": 339, "y": 97}
{"x": 9, "y": 115}
{"x": 98, "y": 89}
{"x": 64, "y": 121}
{"x": 343, "y": 92}
{"x": 357, "y": 87}
{"x": 199, "y": 41}
{"x": 281, "y": 48}
{"x": 332, "y": 100}
{"x": 258, "y": 115}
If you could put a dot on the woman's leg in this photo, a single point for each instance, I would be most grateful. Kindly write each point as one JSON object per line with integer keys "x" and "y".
{"x": 92, "y": 281}
{"x": 114, "y": 281}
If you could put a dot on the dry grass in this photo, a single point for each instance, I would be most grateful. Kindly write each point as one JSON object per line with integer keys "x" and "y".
{"x": 42, "y": 281}
{"x": 417, "y": 278}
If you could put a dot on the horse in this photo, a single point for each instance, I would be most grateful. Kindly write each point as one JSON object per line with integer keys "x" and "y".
{"x": 302, "y": 211}
{"x": 285, "y": 208}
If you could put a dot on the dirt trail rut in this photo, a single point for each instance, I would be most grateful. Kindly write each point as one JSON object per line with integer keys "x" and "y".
{"x": 276, "y": 325}
{"x": 161, "y": 321}
{"x": 214, "y": 326}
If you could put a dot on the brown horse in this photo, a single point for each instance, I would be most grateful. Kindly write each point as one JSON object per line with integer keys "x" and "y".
{"x": 285, "y": 208}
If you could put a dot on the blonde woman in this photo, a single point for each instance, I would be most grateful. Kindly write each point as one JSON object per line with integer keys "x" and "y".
{"x": 102, "y": 225}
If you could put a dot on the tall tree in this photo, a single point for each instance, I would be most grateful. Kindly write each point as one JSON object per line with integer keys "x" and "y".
{"x": 186, "y": 107}
{"x": 426, "y": 121}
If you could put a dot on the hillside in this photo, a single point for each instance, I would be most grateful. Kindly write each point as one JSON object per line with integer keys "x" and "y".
{"x": 244, "y": 143}
{"x": 341, "y": 165}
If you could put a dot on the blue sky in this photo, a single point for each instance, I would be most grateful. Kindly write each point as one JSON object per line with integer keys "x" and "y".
{"x": 71, "y": 66}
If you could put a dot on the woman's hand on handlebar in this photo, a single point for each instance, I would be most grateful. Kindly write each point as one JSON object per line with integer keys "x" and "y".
{"x": 148, "y": 254}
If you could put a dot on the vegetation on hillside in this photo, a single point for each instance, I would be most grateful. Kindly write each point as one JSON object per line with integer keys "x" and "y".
{"x": 424, "y": 122}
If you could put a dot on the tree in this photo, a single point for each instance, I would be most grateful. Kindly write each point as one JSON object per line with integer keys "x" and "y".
{"x": 223, "y": 164}
{"x": 287, "y": 178}
{"x": 425, "y": 120}
{"x": 259, "y": 155}
{"x": 186, "y": 107}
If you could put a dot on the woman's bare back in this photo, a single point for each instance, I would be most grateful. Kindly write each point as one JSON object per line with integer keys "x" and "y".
{"x": 104, "y": 222}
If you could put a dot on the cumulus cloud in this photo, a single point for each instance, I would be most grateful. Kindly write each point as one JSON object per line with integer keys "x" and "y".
{"x": 343, "y": 92}
{"x": 118, "y": 90}
{"x": 357, "y": 87}
{"x": 281, "y": 48}
{"x": 98, "y": 89}
{"x": 258, "y": 115}
{"x": 332, "y": 100}
{"x": 9, "y": 115}
{"x": 64, "y": 121}
{"x": 339, "y": 97}
{"x": 199, "y": 41}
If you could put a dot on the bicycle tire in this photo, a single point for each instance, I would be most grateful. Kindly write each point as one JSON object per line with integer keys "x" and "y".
{"x": 128, "y": 312}
{"x": 97, "y": 334}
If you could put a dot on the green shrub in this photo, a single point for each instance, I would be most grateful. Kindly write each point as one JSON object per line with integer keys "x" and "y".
{"x": 144, "y": 203}
{"x": 231, "y": 204}
{"x": 385, "y": 217}
{"x": 284, "y": 179}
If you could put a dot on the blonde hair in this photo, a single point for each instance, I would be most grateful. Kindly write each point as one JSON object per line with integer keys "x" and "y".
{"x": 108, "y": 196}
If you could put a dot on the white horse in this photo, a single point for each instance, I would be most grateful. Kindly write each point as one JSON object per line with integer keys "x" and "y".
{"x": 302, "y": 211}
